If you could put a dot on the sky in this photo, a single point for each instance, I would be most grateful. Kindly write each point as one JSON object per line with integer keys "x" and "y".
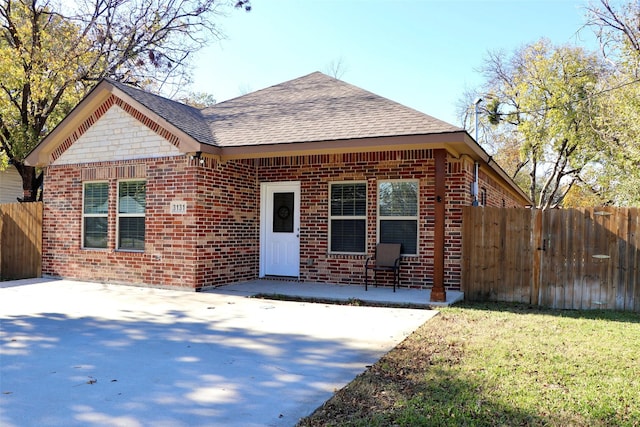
{"x": 421, "y": 53}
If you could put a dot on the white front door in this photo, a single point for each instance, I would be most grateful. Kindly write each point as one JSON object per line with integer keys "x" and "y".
{"x": 280, "y": 229}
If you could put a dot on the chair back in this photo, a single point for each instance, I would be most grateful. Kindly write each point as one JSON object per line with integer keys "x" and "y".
{"x": 387, "y": 253}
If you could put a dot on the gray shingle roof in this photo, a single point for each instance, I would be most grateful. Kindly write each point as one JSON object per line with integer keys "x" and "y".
{"x": 315, "y": 107}
{"x": 186, "y": 118}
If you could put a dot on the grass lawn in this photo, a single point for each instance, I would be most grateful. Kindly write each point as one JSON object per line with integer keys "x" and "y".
{"x": 500, "y": 364}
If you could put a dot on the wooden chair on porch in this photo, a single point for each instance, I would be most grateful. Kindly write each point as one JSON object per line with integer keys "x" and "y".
{"x": 386, "y": 258}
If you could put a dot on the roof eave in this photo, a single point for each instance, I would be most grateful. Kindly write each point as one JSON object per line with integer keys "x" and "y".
{"x": 451, "y": 141}
{"x": 481, "y": 154}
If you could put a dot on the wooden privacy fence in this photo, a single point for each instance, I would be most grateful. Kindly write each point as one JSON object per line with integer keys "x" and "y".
{"x": 562, "y": 258}
{"x": 20, "y": 240}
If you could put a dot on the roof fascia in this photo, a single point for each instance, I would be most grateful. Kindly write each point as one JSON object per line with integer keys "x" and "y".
{"x": 452, "y": 142}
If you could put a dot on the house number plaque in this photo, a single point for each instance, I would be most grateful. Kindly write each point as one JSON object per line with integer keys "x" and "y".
{"x": 178, "y": 207}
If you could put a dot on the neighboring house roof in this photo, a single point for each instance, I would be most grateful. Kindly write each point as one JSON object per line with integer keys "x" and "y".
{"x": 312, "y": 114}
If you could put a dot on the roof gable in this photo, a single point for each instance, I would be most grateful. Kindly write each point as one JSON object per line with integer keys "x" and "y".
{"x": 115, "y": 136}
{"x": 101, "y": 98}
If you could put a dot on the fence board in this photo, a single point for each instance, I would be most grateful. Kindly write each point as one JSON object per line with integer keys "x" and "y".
{"x": 569, "y": 258}
{"x": 20, "y": 240}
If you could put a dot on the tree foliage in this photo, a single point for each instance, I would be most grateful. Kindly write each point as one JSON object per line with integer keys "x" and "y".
{"x": 541, "y": 100}
{"x": 618, "y": 30}
{"x": 198, "y": 99}
{"x": 565, "y": 122}
{"x": 51, "y": 54}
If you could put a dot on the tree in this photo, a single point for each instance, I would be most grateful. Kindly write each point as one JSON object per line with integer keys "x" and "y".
{"x": 51, "y": 56}
{"x": 541, "y": 101}
{"x": 618, "y": 30}
{"x": 198, "y": 99}
{"x": 336, "y": 68}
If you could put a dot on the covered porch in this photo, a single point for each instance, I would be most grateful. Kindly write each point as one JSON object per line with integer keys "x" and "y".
{"x": 338, "y": 293}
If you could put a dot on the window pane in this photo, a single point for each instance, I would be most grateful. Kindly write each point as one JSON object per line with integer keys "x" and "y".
{"x": 400, "y": 231}
{"x": 348, "y": 235}
{"x": 398, "y": 198}
{"x": 131, "y": 233}
{"x": 95, "y": 232}
{"x": 96, "y": 195}
{"x": 349, "y": 199}
{"x": 131, "y": 197}
{"x": 283, "y": 206}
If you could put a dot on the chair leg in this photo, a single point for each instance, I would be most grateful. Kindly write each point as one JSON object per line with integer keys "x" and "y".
{"x": 366, "y": 279}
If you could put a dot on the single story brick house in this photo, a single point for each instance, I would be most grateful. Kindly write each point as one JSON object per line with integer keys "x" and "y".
{"x": 299, "y": 180}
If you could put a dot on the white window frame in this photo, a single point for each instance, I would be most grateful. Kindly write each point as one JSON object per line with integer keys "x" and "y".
{"x": 415, "y": 217}
{"x": 348, "y": 217}
{"x": 93, "y": 215}
{"x": 129, "y": 215}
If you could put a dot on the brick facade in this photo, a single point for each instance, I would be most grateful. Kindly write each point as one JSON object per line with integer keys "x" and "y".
{"x": 316, "y": 173}
{"x": 217, "y": 240}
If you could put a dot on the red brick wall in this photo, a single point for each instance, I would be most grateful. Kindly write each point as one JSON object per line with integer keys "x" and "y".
{"x": 228, "y": 203}
{"x": 316, "y": 172}
{"x": 217, "y": 240}
{"x": 168, "y": 259}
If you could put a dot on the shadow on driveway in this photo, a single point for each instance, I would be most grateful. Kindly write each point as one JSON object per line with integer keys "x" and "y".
{"x": 87, "y": 354}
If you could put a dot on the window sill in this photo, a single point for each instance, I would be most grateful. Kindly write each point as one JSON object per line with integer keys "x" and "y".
{"x": 347, "y": 253}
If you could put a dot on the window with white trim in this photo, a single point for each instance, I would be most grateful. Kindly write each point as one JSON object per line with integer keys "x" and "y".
{"x": 348, "y": 217}
{"x": 131, "y": 215}
{"x": 398, "y": 214}
{"x": 95, "y": 212}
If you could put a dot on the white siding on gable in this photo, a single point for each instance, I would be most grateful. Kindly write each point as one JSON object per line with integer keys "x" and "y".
{"x": 10, "y": 185}
{"x": 117, "y": 136}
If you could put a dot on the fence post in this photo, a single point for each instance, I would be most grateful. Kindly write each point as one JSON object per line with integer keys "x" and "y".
{"x": 537, "y": 249}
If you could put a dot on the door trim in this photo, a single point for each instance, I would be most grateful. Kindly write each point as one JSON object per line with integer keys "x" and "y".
{"x": 264, "y": 189}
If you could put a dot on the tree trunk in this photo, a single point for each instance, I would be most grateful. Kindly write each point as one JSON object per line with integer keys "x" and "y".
{"x": 30, "y": 182}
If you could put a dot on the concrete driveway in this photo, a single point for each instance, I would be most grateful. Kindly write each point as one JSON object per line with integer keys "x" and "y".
{"x": 87, "y": 354}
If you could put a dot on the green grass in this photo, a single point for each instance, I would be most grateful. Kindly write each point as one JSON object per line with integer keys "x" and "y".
{"x": 499, "y": 364}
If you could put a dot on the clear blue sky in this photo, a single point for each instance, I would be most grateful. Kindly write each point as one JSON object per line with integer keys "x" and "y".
{"x": 421, "y": 53}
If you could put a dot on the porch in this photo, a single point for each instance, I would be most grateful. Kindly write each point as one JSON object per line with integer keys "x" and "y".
{"x": 339, "y": 293}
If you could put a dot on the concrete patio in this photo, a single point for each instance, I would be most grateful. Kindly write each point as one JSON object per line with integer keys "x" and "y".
{"x": 331, "y": 292}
